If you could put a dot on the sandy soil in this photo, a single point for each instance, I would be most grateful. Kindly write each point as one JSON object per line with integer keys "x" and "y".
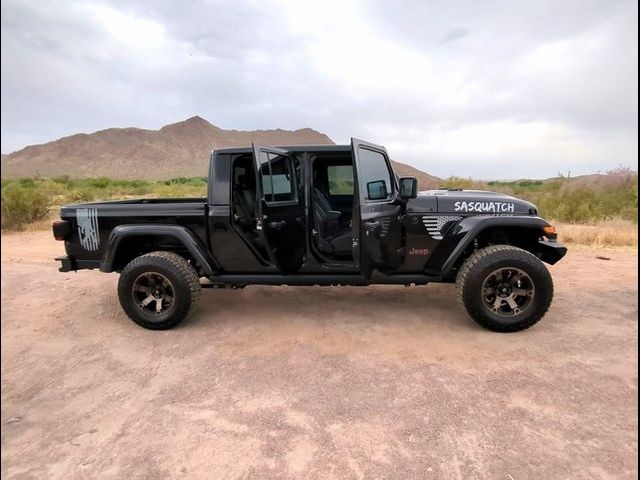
{"x": 267, "y": 382}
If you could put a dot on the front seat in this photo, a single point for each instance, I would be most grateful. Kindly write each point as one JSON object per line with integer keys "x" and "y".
{"x": 244, "y": 208}
{"x": 332, "y": 239}
{"x": 244, "y": 202}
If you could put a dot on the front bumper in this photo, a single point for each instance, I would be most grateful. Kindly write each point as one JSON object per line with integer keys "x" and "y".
{"x": 550, "y": 251}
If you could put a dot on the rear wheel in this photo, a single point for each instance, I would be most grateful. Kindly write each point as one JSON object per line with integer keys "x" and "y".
{"x": 158, "y": 290}
{"x": 504, "y": 288}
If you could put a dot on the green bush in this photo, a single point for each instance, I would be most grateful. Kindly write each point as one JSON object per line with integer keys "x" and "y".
{"x": 463, "y": 183}
{"x": 26, "y": 182}
{"x": 23, "y": 204}
{"x": 98, "y": 182}
{"x": 80, "y": 195}
{"x": 64, "y": 180}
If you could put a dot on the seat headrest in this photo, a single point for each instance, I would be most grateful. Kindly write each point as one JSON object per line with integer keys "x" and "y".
{"x": 244, "y": 179}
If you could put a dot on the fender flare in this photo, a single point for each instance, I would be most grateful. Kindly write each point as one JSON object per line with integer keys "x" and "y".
{"x": 460, "y": 237}
{"x": 185, "y": 236}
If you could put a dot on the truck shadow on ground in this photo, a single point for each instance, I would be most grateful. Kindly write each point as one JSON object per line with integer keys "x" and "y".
{"x": 435, "y": 304}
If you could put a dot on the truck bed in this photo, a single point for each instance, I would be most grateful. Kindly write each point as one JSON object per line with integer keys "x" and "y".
{"x": 91, "y": 223}
{"x": 138, "y": 201}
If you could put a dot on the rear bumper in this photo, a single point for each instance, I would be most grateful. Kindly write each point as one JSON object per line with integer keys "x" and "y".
{"x": 70, "y": 264}
{"x": 66, "y": 264}
{"x": 550, "y": 251}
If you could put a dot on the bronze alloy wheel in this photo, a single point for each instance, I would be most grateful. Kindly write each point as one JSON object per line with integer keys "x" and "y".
{"x": 153, "y": 293}
{"x": 508, "y": 292}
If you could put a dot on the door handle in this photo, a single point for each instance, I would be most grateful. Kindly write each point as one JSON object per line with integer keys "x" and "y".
{"x": 371, "y": 224}
{"x": 372, "y": 227}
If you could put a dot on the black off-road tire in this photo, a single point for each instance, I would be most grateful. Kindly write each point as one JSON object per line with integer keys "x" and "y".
{"x": 478, "y": 266}
{"x": 185, "y": 286}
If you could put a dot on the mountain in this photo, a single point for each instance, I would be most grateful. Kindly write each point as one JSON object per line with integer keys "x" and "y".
{"x": 176, "y": 150}
{"x": 425, "y": 181}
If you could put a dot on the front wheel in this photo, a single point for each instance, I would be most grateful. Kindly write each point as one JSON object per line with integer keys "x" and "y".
{"x": 504, "y": 288}
{"x": 158, "y": 290}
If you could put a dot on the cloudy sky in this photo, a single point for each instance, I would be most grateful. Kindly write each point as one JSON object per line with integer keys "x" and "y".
{"x": 489, "y": 89}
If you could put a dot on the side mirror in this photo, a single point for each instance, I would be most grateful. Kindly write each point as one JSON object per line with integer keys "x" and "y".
{"x": 408, "y": 187}
{"x": 377, "y": 190}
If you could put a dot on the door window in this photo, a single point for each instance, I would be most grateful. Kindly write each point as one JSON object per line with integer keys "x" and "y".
{"x": 277, "y": 176}
{"x": 374, "y": 176}
{"x": 340, "y": 179}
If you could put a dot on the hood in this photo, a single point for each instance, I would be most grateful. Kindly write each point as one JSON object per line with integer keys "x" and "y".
{"x": 470, "y": 202}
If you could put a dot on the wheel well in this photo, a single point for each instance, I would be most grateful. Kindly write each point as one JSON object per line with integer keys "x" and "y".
{"x": 135, "y": 245}
{"x": 522, "y": 237}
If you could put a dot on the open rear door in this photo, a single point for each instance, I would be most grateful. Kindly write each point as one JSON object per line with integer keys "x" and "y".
{"x": 279, "y": 207}
{"x": 377, "y": 228}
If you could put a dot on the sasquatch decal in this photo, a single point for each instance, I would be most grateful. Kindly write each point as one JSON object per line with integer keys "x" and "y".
{"x": 494, "y": 207}
{"x": 88, "y": 228}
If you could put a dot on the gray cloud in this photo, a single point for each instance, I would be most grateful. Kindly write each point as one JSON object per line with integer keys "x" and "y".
{"x": 466, "y": 88}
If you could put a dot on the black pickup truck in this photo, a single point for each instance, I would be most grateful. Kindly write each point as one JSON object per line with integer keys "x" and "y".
{"x": 315, "y": 215}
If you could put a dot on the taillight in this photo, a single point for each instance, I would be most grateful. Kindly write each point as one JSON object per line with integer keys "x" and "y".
{"x": 61, "y": 229}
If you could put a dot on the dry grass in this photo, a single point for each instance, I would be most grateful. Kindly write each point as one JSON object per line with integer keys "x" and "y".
{"x": 610, "y": 233}
{"x": 44, "y": 224}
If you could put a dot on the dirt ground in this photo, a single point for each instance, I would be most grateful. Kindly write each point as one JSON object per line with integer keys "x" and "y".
{"x": 283, "y": 382}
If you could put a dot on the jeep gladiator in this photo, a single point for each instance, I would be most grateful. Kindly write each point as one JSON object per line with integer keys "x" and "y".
{"x": 315, "y": 215}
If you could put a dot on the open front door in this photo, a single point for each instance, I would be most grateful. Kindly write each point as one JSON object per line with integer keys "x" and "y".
{"x": 279, "y": 207}
{"x": 379, "y": 238}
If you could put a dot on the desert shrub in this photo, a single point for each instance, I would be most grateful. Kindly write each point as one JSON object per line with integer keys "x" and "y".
{"x": 530, "y": 183}
{"x": 137, "y": 184}
{"x": 180, "y": 190}
{"x": 98, "y": 182}
{"x": 193, "y": 181}
{"x": 63, "y": 180}
{"x": 621, "y": 178}
{"x": 463, "y": 183}
{"x": 140, "y": 188}
{"x": 22, "y": 204}
{"x": 26, "y": 182}
{"x": 80, "y": 195}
